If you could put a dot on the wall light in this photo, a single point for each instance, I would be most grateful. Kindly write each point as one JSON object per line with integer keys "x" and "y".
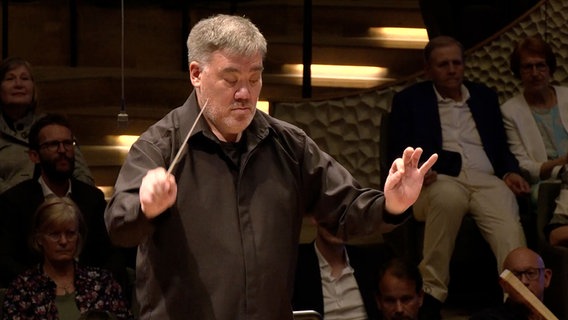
{"x": 348, "y": 76}
{"x": 262, "y": 106}
{"x": 121, "y": 141}
{"x": 409, "y": 38}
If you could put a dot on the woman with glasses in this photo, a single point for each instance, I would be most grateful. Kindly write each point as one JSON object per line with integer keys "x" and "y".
{"x": 536, "y": 121}
{"x": 60, "y": 288}
{"x": 18, "y": 111}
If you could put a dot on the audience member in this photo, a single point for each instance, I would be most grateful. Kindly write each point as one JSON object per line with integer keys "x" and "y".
{"x": 536, "y": 121}
{"x": 529, "y": 267}
{"x": 60, "y": 288}
{"x": 226, "y": 247}
{"x": 18, "y": 111}
{"x": 399, "y": 294}
{"x": 51, "y": 148}
{"x": 336, "y": 279}
{"x": 475, "y": 173}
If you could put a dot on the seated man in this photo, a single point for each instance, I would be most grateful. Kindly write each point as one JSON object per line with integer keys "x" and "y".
{"x": 399, "y": 294}
{"x": 529, "y": 267}
{"x": 335, "y": 279}
{"x": 52, "y": 150}
{"x": 475, "y": 172}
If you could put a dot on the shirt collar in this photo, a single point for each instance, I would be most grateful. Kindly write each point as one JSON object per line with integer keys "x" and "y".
{"x": 464, "y": 94}
{"x": 47, "y": 192}
{"x": 323, "y": 263}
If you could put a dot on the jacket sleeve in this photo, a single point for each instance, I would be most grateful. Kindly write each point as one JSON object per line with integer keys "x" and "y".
{"x": 489, "y": 122}
{"x": 517, "y": 124}
{"x": 126, "y": 224}
{"x": 336, "y": 199}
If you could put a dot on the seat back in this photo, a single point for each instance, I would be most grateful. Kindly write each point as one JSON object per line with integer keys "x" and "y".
{"x": 555, "y": 257}
{"x": 307, "y": 315}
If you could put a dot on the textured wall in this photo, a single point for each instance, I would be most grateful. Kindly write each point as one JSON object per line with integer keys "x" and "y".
{"x": 489, "y": 63}
{"x": 348, "y": 128}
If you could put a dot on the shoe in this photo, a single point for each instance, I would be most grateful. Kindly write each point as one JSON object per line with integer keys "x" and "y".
{"x": 431, "y": 308}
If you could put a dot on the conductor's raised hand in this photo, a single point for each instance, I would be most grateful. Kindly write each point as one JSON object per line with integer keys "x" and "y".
{"x": 158, "y": 192}
{"x": 405, "y": 178}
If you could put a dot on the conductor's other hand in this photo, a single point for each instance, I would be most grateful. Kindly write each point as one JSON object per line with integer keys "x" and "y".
{"x": 158, "y": 192}
{"x": 405, "y": 179}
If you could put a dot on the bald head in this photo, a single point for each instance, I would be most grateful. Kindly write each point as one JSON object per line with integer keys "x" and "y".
{"x": 522, "y": 256}
{"x": 529, "y": 267}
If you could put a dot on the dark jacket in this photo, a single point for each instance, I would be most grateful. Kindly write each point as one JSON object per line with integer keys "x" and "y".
{"x": 227, "y": 247}
{"x": 415, "y": 121}
{"x": 365, "y": 261}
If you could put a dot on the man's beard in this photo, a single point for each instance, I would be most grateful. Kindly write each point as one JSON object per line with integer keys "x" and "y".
{"x": 50, "y": 170}
{"x": 401, "y": 317}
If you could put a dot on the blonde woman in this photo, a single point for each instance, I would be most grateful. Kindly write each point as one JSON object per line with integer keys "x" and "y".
{"x": 59, "y": 287}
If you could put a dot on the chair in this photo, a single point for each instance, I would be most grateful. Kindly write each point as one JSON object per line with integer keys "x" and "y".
{"x": 555, "y": 258}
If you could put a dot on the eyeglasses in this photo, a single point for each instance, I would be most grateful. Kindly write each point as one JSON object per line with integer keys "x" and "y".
{"x": 70, "y": 235}
{"x": 529, "y": 67}
{"x": 53, "y": 146}
{"x": 530, "y": 273}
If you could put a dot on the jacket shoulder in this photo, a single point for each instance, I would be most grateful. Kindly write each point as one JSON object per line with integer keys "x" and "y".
{"x": 163, "y": 127}
{"x": 479, "y": 88}
{"x": 28, "y": 188}
{"x": 290, "y": 137}
{"x": 85, "y": 188}
{"x": 417, "y": 88}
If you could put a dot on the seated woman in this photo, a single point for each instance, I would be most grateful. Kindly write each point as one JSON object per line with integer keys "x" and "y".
{"x": 536, "y": 121}
{"x": 18, "y": 111}
{"x": 60, "y": 288}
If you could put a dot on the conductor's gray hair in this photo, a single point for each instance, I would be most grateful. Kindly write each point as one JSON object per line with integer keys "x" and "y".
{"x": 233, "y": 34}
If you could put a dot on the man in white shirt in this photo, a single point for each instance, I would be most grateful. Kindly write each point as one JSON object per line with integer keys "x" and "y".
{"x": 336, "y": 279}
{"x": 475, "y": 173}
{"x": 52, "y": 150}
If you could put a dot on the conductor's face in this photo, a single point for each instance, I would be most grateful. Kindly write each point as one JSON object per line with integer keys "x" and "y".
{"x": 230, "y": 86}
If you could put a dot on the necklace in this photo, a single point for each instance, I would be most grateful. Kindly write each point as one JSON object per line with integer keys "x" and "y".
{"x": 66, "y": 287}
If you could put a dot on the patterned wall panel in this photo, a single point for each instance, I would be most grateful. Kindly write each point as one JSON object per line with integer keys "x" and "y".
{"x": 348, "y": 128}
{"x": 489, "y": 63}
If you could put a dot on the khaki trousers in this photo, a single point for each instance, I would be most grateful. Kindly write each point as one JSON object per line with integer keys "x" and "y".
{"x": 443, "y": 204}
